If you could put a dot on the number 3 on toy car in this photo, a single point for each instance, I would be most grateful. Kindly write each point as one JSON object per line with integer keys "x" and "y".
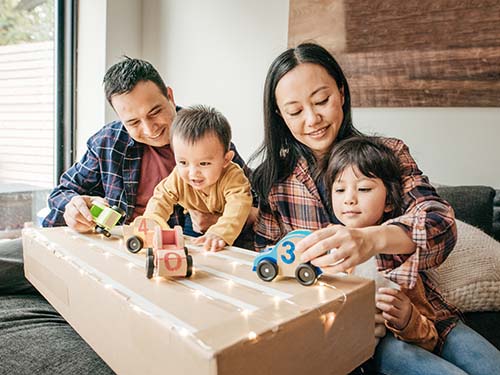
{"x": 290, "y": 251}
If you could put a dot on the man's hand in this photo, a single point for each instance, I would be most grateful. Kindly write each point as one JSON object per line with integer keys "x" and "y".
{"x": 202, "y": 221}
{"x": 211, "y": 242}
{"x": 395, "y": 306}
{"x": 77, "y": 214}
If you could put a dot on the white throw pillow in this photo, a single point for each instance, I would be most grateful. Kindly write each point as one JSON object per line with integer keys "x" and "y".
{"x": 470, "y": 276}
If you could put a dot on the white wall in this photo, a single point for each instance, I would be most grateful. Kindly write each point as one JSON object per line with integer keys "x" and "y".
{"x": 107, "y": 29}
{"x": 217, "y": 53}
{"x": 453, "y": 146}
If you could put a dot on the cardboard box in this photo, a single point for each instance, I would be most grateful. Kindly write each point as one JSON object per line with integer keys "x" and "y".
{"x": 223, "y": 320}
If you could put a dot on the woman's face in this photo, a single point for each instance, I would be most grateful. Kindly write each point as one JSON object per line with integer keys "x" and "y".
{"x": 310, "y": 103}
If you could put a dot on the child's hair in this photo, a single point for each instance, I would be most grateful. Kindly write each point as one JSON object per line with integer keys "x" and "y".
{"x": 374, "y": 160}
{"x": 193, "y": 123}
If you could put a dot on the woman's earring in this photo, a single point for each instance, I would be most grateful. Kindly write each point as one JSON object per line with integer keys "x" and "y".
{"x": 284, "y": 152}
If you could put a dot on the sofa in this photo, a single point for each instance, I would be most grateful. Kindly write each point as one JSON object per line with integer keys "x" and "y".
{"x": 470, "y": 277}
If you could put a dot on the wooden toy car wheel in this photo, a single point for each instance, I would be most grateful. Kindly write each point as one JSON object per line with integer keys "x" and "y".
{"x": 134, "y": 244}
{"x": 306, "y": 274}
{"x": 189, "y": 260}
{"x": 101, "y": 230}
{"x": 267, "y": 270}
{"x": 150, "y": 266}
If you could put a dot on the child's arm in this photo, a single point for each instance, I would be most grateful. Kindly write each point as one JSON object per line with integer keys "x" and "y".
{"x": 166, "y": 194}
{"x": 405, "y": 320}
{"x": 238, "y": 203}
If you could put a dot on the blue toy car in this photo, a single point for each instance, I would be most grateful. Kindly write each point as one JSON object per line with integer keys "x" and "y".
{"x": 281, "y": 259}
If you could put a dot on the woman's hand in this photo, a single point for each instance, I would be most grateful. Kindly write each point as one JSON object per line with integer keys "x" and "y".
{"x": 337, "y": 248}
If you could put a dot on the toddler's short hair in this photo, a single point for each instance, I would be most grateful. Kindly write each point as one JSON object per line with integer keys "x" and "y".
{"x": 195, "y": 122}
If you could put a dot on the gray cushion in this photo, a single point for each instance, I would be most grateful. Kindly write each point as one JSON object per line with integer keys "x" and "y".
{"x": 472, "y": 204}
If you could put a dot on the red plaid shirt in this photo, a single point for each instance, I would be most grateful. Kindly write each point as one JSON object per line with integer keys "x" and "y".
{"x": 295, "y": 203}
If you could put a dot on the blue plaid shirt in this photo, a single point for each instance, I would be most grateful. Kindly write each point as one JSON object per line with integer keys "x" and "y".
{"x": 111, "y": 169}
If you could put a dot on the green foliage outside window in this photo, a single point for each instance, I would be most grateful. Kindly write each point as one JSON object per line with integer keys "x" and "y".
{"x": 25, "y": 21}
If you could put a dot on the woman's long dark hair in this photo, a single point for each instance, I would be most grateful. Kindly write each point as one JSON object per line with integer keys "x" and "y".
{"x": 280, "y": 151}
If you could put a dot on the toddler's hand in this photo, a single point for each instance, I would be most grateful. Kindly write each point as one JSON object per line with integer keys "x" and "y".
{"x": 395, "y": 306}
{"x": 211, "y": 242}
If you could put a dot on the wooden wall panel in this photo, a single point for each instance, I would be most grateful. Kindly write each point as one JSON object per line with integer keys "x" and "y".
{"x": 408, "y": 53}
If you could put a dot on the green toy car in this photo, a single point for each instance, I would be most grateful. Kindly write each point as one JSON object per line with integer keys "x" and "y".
{"x": 105, "y": 217}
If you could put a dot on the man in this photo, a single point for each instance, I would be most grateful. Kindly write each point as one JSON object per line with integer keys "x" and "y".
{"x": 123, "y": 163}
{"x": 126, "y": 159}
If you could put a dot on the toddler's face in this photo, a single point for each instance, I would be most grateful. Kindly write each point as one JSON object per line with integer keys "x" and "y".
{"x": 358, "y": 201}
{"x": 200, "y": 164}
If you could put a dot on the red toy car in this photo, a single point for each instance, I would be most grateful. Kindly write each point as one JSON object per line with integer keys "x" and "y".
{"x": 168, "y": 257}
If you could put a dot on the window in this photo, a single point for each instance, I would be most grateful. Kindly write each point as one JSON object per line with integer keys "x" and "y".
{"x": 26, "y": 110}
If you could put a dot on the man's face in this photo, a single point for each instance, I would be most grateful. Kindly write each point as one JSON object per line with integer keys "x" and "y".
{"x": 146, "y": 113}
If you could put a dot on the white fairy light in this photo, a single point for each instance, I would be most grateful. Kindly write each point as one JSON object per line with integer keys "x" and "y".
{"x": 183, "y": 332}
{"x": 252, "y": 335}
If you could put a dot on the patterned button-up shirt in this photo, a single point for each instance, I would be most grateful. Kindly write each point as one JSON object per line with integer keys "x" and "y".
{"x": 295, "y": 203}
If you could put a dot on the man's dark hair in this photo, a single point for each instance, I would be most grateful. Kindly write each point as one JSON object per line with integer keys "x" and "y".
{"x": 123, "y": 76}
{"x": 193, "y": 123}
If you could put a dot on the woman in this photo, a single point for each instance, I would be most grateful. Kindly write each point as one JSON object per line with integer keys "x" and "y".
{"x": 306, "y": 110}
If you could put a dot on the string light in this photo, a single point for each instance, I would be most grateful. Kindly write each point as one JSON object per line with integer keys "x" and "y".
{"x": 252, "y": 336}
{"x": 183, "y": 332}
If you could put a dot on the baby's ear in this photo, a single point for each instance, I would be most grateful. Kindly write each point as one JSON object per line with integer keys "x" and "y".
{"x": 228, "y": 157}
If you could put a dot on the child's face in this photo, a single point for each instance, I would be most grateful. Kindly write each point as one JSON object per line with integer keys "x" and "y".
{"x": 358, "y": 201}
{"x": 200, "y": 164}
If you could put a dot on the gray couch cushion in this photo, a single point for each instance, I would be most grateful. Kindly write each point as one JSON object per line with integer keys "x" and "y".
{"x": 472, "y": 204}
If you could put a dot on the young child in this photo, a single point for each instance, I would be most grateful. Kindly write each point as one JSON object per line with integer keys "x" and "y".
{"x": 364, "y": 182}
{"x": 204, "y": 179}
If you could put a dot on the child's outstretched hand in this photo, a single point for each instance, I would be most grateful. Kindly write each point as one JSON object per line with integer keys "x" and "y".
{"x": 395, "y": 306}
{"x": 211, "y": 242}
